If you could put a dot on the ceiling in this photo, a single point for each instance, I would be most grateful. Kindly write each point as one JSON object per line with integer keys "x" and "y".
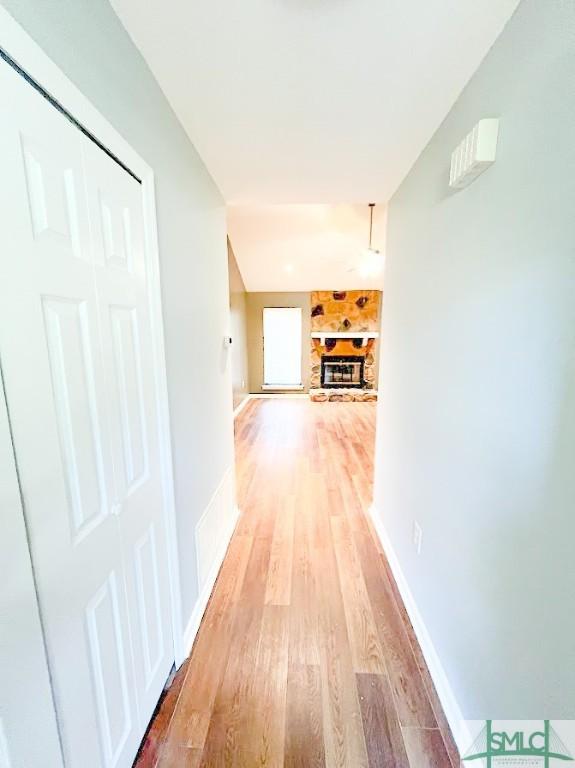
{"x": 300, "y": 102}
{"x": 304, "y": 247}
{"x": 312, "y": 101}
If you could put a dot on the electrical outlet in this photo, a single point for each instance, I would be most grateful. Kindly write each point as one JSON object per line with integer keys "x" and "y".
{"x": 417, "y": 536}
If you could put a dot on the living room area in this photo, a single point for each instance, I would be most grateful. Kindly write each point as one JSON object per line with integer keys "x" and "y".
{"x": 296, "y": 332}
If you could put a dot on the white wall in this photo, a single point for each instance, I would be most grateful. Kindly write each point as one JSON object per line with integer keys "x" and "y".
{"x": 86, "y": 40}
{"x": 238, "y": 330}
{"x": 476, "y": 436}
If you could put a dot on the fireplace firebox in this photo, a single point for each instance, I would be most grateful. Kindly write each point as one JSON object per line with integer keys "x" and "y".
{"x": 342, "y": 371}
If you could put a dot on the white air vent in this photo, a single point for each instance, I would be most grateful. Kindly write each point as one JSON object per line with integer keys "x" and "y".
{"x": 474, "y": 154}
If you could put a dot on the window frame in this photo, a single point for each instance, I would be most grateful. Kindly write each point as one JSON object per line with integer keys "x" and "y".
{"x": 284, "y": 385}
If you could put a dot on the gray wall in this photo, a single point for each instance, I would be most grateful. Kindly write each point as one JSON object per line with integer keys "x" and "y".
{"x": 256, "y": 304}
{"x": 477, "y": 423}
{"x": 238, "y": 330}
{"x": 86, "y": 40}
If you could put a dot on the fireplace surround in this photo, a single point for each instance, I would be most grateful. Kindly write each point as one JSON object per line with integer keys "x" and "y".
{"x": 344, "y": 342}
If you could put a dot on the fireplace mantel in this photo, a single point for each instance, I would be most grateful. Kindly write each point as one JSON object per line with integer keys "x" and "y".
{"x": 364, "y": 335}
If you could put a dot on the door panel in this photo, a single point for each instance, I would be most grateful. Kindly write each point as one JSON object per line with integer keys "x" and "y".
{"x": 130, "y": 395}
{"x": 108, "y": 662}
{"x": 58, "y": 211}
{"x": 74, "y": 391}
{"x": 123, "y": 299}
{"x": 149, "y": 604}
{"x": 75, "y": 341}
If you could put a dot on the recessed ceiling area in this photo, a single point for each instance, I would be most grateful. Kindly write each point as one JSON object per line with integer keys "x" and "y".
{"x": 312, "y": 101}
{"x": 305, "y": 247}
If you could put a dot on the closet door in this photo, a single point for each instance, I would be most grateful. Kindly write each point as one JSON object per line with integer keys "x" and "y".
{"x": 75, "y": 345}
{"x": 116, "y": 215}
{"x": 56, "y": 395}
{"x": 26, "y": 705}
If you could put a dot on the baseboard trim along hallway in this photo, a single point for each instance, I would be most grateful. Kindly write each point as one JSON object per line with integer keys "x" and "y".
{"x": 457, "y": 724}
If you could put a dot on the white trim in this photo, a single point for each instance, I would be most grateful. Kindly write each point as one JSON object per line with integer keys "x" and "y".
{"x": 195, "y": 620}
{"x": 286, "y": 387}
{"x": 218, "y": 518}
{"x": 364, "y": 335}
{"x": 459, "y": 727}
{"x": 242, "y": 405}
{"x": 345, "y": 334}
{"x": 222, "y": 547}
{"x": 162, "y": 407}
{"x": 35, "y": 62}
{"x": 273, "y": 395}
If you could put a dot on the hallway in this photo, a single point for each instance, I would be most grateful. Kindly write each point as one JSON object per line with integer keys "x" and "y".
{"x": 305, "y": 656}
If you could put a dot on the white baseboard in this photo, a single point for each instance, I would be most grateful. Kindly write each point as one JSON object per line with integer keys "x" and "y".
{"x": 274, "y": 395}
{"x": 280, "y": 388}
{"x": 242, "y": 405}
{"x": 459, "y": 727}
{"x": 221, "y": 515}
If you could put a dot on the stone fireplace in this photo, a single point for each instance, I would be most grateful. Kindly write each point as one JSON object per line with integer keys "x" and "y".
{"x": 345, "y": 330}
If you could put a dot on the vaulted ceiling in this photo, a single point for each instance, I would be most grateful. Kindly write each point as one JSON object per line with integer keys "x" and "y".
{"x": 304, "y": 247}
{"x": 312, "y": 101}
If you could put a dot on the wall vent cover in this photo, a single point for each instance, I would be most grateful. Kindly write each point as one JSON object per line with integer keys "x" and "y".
{"x": 474, "y": 154}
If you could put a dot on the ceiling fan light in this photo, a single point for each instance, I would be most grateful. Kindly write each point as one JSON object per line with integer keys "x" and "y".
{"x": 371, "y": 263}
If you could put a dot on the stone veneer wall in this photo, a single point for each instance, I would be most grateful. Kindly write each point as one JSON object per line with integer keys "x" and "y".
{"x": 344, "y": 311}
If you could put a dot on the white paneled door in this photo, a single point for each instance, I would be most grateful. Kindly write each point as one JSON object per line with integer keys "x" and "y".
{"x": 76, "y": 352}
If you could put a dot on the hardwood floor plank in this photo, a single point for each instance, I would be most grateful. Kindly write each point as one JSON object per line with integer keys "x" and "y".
{"x": 304, "y": 619}
{"x": 266, "y": 731}
{"x": 425, "y": 748}
{"x": 304, "y": 746}
{"x": 207, "y": 663}
{"x": 383, "y": 737}
{"x": 195, "y": 705}
{"x": 151, "y": 746}
{"x": 363, "y": 637}
{"x": 342, "y": 725}
{"x": 448, "y": 739}
{"x": 229, "y": 584}
{"x": 231, "y": 714}
{"x": 278, "y": 588}
{"x": 236, "y": 689}
{"x": 256, "y": 574}
{"x": 412, "y": 701}
{"x": 221, "y": 748}
{"x": 175, "y": 756}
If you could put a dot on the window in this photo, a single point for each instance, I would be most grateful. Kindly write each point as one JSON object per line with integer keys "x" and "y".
{"x": 282, "y": 347}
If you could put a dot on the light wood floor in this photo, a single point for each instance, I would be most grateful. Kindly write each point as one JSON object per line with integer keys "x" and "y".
{"x": 305, "y": 656}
